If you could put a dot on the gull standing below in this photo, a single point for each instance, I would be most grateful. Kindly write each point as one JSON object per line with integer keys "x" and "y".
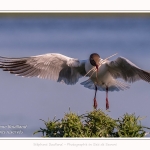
{"x": 102, "y": 73}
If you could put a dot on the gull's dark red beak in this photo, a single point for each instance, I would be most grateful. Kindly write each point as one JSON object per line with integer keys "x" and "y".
{"x": 97, "y": 67}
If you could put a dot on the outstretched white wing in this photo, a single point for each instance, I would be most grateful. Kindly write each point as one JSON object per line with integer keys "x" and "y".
{"x": 48, "y": 66}
{"x": 125, "y": 69}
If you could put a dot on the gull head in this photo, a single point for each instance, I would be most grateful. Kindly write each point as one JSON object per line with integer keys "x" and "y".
{"x": 95, "y": 60}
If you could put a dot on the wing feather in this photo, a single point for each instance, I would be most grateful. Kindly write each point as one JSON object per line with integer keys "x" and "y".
{"x": 48, "y": 66}
{"x": 125, "y": 69}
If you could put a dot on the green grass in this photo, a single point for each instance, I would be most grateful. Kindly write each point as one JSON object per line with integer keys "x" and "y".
{"x": 95, "y": 123}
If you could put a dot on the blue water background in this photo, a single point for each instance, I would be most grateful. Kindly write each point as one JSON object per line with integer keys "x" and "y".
{"x": 23, "y": 101}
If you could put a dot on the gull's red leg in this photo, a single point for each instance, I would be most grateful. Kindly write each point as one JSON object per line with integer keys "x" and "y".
{"x": 107, "y": 103}
{"x": 95, "y": 102}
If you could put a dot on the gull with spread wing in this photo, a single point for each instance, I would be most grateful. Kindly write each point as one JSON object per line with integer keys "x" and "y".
{"x": 102, "y": 73}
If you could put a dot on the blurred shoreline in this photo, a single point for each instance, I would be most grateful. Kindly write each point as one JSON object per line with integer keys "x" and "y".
{"x": 74, "y": 14}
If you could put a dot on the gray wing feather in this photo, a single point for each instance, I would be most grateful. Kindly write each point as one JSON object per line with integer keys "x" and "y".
{"x": 49, "y": 66}
{"x": 125, "y": 69}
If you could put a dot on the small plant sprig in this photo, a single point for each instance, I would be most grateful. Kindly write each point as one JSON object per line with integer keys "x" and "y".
{"x": 130, "y": 126}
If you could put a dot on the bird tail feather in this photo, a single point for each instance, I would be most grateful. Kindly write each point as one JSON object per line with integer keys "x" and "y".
{"x": 115, "y": 86}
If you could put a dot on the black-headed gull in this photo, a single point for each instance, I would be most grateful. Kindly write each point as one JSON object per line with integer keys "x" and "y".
{"x": 102, "y": 73}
